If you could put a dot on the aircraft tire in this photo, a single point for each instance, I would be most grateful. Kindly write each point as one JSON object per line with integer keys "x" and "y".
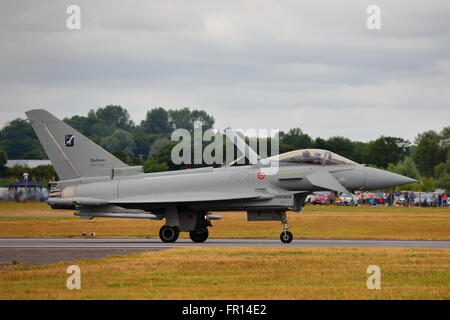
{"x": 168, "y": 234}
{"x": 286, "y": 237}
{"x": 200, "y": 235}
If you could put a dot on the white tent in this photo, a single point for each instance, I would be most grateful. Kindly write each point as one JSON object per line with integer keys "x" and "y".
{"x": 29, "y": 163}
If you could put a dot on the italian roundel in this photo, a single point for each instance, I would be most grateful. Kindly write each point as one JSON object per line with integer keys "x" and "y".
{"x": 261, "y": 175}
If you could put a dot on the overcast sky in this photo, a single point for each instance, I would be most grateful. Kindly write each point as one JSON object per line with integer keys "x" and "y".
{"x": 251, "y": 64}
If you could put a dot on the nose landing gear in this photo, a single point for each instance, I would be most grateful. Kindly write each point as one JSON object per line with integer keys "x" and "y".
{"x": 286, "y": 236}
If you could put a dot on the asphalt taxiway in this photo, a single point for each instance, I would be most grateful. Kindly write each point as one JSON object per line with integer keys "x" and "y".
{"x": 113, "y": 243}
{"x": 48, "y": 250}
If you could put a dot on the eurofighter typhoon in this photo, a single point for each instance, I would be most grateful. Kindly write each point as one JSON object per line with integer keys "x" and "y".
{"x": 96, "y": 184}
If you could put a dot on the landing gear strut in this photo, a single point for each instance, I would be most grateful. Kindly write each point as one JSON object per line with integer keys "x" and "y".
{"x": 169, "y": 234}
{"x": 285, "y": 236}
{"x": 201, "y": 233}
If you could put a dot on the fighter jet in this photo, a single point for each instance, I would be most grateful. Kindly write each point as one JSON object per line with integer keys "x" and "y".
{"x": 97, "y": 184}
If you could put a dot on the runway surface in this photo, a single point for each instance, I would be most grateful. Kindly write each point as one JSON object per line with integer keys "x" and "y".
{"x": 111, "y": 243}
{"x": 50, "y": 250}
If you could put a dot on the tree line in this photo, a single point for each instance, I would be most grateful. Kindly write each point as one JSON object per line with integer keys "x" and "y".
{"x": 148, "y": 143}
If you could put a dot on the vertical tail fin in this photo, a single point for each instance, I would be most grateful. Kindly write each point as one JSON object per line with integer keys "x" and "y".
{"x": 71, "y": 153}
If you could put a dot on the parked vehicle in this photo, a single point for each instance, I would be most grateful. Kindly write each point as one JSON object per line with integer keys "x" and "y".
{"x": 347, "y": 199}
{"x": 424, "y": 199}
{"x": 322, "y": 197}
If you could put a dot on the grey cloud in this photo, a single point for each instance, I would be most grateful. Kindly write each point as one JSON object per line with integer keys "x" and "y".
{"x": 249, "y": 63}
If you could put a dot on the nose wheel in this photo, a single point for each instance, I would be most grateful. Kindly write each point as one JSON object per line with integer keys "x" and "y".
{"x": 286, "y": 236}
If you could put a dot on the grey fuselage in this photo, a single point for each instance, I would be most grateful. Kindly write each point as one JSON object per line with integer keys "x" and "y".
{"x": 218, "y": 188}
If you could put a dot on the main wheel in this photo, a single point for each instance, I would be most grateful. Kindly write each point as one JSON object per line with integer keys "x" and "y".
{"x": 169, "y": 234}
{"x": 286, "y": 237}
{"x": 199, "y": 235}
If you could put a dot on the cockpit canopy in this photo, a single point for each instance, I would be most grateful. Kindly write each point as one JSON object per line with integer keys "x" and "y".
{"x": 312, "y": 156}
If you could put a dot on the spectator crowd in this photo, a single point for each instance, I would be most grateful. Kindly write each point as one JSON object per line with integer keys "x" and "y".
{"x": 439, "y": 198}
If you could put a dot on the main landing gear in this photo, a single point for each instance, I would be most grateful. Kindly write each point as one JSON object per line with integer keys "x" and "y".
{"x": 199, "y": 235}
{"x": 286, "y": 236}
{"x": 169, "y": 234}
{"x": 196, "y": 224}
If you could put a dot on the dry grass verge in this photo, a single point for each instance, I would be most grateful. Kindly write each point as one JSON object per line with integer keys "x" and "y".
{"x": 240, "y": 273}
{"x": 38, "y": 220}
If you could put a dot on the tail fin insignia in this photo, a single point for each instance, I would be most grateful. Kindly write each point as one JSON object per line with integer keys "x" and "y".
{"x": 71, "y": 153}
